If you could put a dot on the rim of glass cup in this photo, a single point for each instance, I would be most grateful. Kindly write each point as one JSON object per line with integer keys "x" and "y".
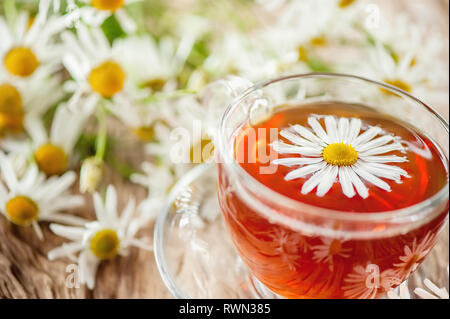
{"x": 158, "y": 236}
{"x": 415, "y": 212}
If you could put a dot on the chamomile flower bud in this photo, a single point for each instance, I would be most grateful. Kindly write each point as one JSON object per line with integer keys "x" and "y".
{"x": 91, "y": 174}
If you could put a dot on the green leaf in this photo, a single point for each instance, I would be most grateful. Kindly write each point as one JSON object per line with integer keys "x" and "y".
{"x": 112, "y": 29}
{"x": 318, "y": 65}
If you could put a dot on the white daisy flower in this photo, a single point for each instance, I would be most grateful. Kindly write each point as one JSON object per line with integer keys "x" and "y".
{"x": 26, "y": 48}
{"x": 151, "y": 64}
{"x": 415, "y": 253}
{"x": 235, "y": 54}
{"x": 328, "y": 250}
{"x": 32, "y": 198}
{"x": 95, "y": 12}
{"x": 96, "y": 70}
{"x": 110, "y": 235}
{"x": 156, "y": 178}
{"x": 19, "y": 99}
{"x": 340, "y": 153}
{"x": 51, "y": 152}
{"x": 404, "y": 71}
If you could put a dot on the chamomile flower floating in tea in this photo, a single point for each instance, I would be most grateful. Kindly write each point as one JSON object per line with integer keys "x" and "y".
{"x": 27, "y": 47}
{"x": 343, "y": 152}
{"x": 95, "y": 12}
{"x": 50, "y": 152}
{"x": 96, "y": 70}
{"x": 106, "y": 238}
{"x": 32, "y": 198}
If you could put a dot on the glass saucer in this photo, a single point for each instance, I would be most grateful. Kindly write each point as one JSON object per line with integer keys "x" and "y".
{"x": 197, "y": 259}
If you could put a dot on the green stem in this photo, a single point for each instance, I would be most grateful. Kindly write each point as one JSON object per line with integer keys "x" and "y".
{"x": 10, "y": 10}
{"x": 102, "y": 135}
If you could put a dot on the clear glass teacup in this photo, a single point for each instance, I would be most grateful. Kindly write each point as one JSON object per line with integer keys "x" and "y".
{"x": 323, "y": 247}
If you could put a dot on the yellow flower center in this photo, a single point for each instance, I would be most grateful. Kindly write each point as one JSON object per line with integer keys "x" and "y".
{"x": 302, "y": 54}
{"x": 156, "y": 84}
{"x": 30, "y": 22}
{"x": 397, "y": 83}
{"x": 21, "y": 61}
{"x": 346, "y": 3}
{"x": 145, "y": 133}
{"x": 107, "y": 79}
{"x": 11, "y": 110}
{"x": 22, "y": 210}
{"x": 335, "y": 247}
{"x": 51, "y": 159}
{"x": 109, "y": 5}
{"x": 105, "y": 244}
{"x": 201, "y": 151}
{"x": 318, "y": 41}
{"x": 340, "y": 154}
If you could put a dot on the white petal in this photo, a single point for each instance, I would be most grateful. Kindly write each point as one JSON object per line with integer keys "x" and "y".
{"x": 370, "y": 177}
{"x": 297, "y": 140}
{"x": 128, "y": 24}
{"x": 65, "y": 250}
{"x": 318, "y": 129}
{"x": 8, "y": 172}
{"x": 343, "y": 129}
{"x": 305, "y": 170}
{"x": 304, "y": 132}
{"x": 383, "y": 140}
{"x": 359, "y": 185}
{"x": 99, "y": 209}
{"x": 68, "y": 232}
{"x": 328, "y": 179}
{"x": 63, "y": 183}
{"x": 383, "y": 149}
{"x": 88, "y": 268}
{"x": 293, "y": 161}
{"x": 126, "y": 216}
{"x": 111, "y": 203}
{"x": 36, "y": 130}
{"x": 384, "y": 159}
{"x": 355, "y": 127}
{"x": 441, "y": 292}
{"x": 346, "y": 182}
{"x": 367, "y": 136}
{"x": 284, "y": 148}
{"x": 65, "y": 202}
{"x": 384, "y": 172}
{"x": 331, "y": 126}
{"x": 86, "y": 40}
{"x": 312, "y": 182}
{"x": 422, "y": 293}
{"x": 29, "y": 179}
{"x": 62, "y": 218}
{"x": 37, "y": 229}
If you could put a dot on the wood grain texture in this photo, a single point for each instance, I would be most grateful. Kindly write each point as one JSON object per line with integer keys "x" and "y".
{"x": 25, "y": 271}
